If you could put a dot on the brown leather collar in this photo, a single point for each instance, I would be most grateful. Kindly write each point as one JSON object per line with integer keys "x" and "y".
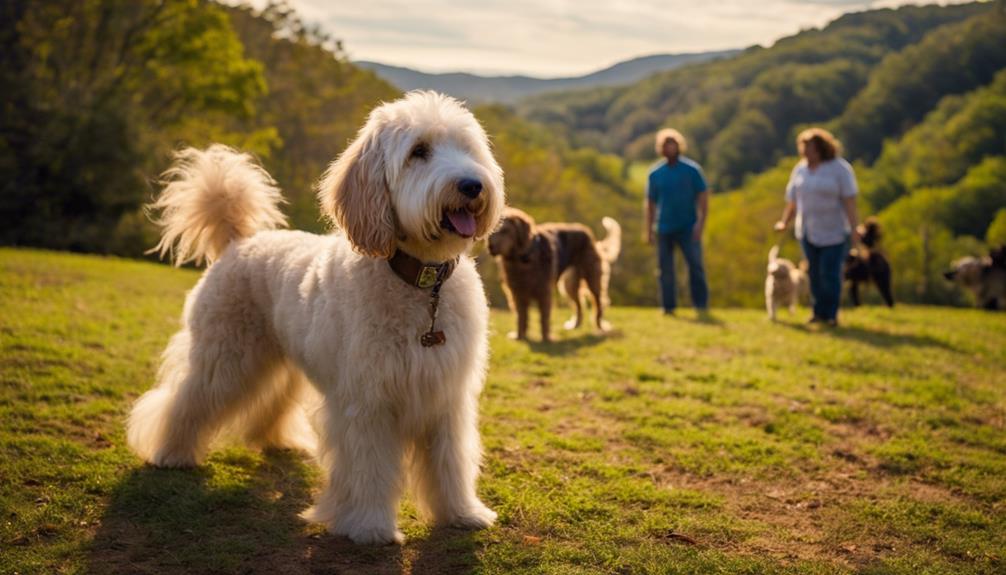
{"x": 418, "y": 274}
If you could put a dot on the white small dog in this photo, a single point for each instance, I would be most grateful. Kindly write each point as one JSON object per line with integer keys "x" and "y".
{"x": 386, "y": 318}
{"x": 783, "y": 283}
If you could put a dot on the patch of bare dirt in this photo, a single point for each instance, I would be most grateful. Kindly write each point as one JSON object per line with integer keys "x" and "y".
{"x": 804, "y": 512}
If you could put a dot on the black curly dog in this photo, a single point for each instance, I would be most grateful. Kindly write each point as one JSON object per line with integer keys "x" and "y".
{"x": 867, "y": 264}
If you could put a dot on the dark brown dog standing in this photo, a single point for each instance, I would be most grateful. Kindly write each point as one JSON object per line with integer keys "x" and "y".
{"x": 532, "y": 258}
{"x": 868, "y": 264}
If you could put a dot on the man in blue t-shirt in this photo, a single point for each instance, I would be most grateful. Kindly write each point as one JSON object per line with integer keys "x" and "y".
{"x": 677, "y": 199}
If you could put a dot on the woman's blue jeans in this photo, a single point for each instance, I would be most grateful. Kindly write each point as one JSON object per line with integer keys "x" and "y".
{"x": 692, "y": 251}
{"x": 825, "y": 273}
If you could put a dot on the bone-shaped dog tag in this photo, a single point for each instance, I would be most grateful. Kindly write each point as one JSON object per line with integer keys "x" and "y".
{"x": 432, "y": 338}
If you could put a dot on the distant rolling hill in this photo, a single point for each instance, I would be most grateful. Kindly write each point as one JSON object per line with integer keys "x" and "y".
{"x": 508, "y": 89}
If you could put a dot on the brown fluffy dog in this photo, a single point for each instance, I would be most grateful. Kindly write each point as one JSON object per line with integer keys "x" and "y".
{"x": 532, "y": 258}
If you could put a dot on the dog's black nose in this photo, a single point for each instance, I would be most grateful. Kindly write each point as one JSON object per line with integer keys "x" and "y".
{"x": 469, "y": 187}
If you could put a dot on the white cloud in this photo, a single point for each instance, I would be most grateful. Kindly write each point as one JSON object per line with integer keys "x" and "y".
{"x": 558, "y": 37}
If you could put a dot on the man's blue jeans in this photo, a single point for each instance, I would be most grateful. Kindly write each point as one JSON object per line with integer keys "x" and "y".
{"x": 824, "y": 268}
{"x": 692, "y": 251}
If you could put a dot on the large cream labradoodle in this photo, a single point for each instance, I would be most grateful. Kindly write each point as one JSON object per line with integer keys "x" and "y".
{"x": 281, "y": 312}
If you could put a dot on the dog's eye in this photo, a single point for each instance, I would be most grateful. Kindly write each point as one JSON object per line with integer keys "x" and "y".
{"x": 420, "y": 151}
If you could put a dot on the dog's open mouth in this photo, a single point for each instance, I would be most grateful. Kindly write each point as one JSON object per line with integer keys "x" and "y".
{"x": 460, "y": 221}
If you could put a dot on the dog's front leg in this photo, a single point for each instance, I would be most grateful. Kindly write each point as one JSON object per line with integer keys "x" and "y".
{"x": 884, "y": 285}
{"x": 769, "y": 302}
{"x": 521, "y": 305}
{"x": 545, "y": 314}
{"x": 446, "y": 466}
{"x": 362, "y": 455}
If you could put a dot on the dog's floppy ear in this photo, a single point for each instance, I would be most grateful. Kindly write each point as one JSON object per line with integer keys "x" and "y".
{"x": 354, "y": 194}
{"x": 523, "y": 227}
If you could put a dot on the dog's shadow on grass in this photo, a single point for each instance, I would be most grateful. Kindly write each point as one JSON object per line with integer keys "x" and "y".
{"x": 241, "y": 516}
{"x": 874, "y": 338}
{"x": 444, "y": 550}
{"x": 570, "y": 344}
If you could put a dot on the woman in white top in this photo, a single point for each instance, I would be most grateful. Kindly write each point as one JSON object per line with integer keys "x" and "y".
{"x": 822, "y": 194}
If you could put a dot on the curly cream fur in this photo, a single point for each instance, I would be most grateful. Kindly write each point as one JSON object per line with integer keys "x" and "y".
{"x": 210, "y": 199}
{"x": 283, "y": 321}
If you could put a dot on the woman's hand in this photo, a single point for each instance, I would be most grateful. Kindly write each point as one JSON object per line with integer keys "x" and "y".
{"x": 787, "y": 217}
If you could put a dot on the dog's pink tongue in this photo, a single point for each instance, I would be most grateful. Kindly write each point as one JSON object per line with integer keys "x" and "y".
{"x": 463, "y": 222}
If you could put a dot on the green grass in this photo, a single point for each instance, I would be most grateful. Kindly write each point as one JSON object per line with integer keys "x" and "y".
{"x": 671, "y": 446}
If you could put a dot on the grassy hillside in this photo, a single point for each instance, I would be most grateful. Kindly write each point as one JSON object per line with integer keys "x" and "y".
{"x": 672, "y": 446}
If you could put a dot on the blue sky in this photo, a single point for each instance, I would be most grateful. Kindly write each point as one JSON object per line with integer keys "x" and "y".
{"x": 558, "y": 37}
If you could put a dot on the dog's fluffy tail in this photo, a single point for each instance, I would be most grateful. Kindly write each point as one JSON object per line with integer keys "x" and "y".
{"x": 211, "y": 198}
{"x": 773, "y": 254}
{"x": 611, "y": 245}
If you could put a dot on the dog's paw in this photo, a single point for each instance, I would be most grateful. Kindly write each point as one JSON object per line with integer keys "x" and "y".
{"x": 605, "y": 326}
{"x": 571, "y": 323}
{"x": 370, "y": 534}
{"x": 476, "y": 517}
{"x": 360, "y": 526}
{"x": 515, "y": 336}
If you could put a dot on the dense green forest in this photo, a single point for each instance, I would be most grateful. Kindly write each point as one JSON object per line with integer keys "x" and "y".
{"x": 99, "y": 92}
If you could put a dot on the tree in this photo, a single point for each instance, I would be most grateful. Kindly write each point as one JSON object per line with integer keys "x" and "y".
{"x": 959, "y": 133}
{"x": 99, "y": 91}
{"x": 954, "y": 59}
{"x": 316, "y": 101}
{"x": 996, "y": 234}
